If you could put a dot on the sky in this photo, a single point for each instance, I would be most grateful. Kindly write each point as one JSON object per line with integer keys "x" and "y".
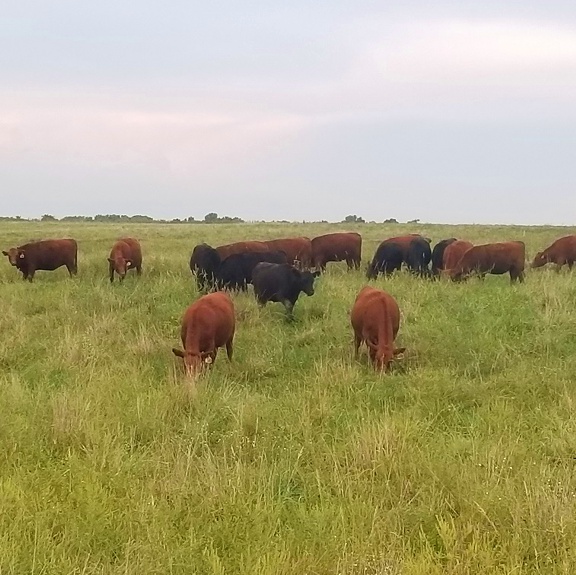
{"x": 452, "y": 111}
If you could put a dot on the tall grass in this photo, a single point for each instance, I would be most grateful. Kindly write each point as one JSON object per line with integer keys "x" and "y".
{"x": 294, "y": 458}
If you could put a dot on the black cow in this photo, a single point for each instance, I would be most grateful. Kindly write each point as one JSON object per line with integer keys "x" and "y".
{"x": 419, "y": 256}
{"x": 204, "y": 264}
{"x": 387, "y": 259}
{"x": 235, "y": 272}
{"x": 281, "y": 283}
{"x": 438, "y": 255}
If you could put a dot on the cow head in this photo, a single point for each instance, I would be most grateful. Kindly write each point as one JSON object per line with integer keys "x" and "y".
{"x": 382, "y": 357}
{"x": 194, "y": 363}
{"x": 306, "y": 280}
{"x": 371, "y": 271}
{"x": 121, "y": 265}
{"x": 456, "y": 274}
{"x": 540, "y": 259}
{"x": 14, "y": 256}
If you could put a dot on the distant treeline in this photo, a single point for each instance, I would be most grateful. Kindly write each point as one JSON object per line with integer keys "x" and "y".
{"x": 211, "y": 218}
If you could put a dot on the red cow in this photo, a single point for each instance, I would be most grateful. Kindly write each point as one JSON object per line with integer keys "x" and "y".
{"x": 207, "y": 324}
{"x": 298, "y": 250}
{"x": 453, "y": 254}
{"x": 241, "y": 248}
{"x": 44, "y": 255}
{"x": 126, "y": 254}
{"x": 562, "y": 251}
{"x": 497, "y": 258}
{"x": 375, "y": 319}
{"x": 337, "y": 247}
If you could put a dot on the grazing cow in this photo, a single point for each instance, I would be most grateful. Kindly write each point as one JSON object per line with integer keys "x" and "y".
{"x": 205, "y": 264}
{"x": 126, "y": 254}
{"x": 207, "y": 325}
{"x": 281, "y": 283}
{"x": 387, "y": 259}
{"x": 241, "y": 248}
{"x": 375, "y": 319}
{"x": 298, "y": 250}
{"x": 453, "y": 254}
{"x": 44, "y": 255}
{"x": 562, "y": 251}
{"x": 497, "y": 258}
{"x": 415, "y": 254}
{"x": 419, "y": 256}
{"x": 438, "y": 255}
{"x": 235, "y": 272}
{"x": 337, "y": 247}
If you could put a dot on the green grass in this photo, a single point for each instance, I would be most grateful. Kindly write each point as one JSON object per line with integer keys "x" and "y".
{"x": 294, "y": 459}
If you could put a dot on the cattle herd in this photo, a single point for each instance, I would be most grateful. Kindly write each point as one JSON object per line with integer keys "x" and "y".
{"x": 279, "y": 270}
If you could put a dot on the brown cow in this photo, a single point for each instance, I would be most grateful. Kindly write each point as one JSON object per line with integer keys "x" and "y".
{"x": 207, "y": 324}
{"x": 497, "y": 258}
{"x": 453, "y": 254}
{"x": 241, "y": 248}
{"x": 126, "y": 254}
{"x": 337, "y": 247}
{"x": 375, "y": 319}
{"x": 298, "y": 250}
{"x": 562, "y": 251}
{"x": 44, "y": 255}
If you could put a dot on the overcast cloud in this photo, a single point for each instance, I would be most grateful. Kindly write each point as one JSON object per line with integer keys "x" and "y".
{"x": 447, "y": 111}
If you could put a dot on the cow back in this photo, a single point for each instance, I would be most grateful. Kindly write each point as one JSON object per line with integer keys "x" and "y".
{"x": 298, "y": 250}
{"x": 241, "y": 248}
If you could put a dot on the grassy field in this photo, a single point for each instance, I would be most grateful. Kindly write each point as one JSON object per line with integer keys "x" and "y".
{"x": 293, "y": 459}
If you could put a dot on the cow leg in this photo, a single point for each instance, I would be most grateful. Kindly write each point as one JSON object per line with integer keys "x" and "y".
{"x": 139, "y": 269}
{"x": 289, "y": 305}
{"x": 111, "y": 272}
{"x": 31, "y": 273}
{"x": 357, "y": 342}
{"x": 229, "y": 349}
{"x": 516, "y": 275}
{"x": 559, "y": 264}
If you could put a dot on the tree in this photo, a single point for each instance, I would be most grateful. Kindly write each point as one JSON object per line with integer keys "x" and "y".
{"x": 390, "y": 221}
{"x": 211, "y": 218}
{"x": 48, "y": 218}
{"x": 354, "y": 220}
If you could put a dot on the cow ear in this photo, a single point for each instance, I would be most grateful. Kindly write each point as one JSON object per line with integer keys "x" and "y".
{"x": 4, "y": 253}
{"x": 316, "y": 273}
{"x": 177, "y": 352}
{"x": 21, "y": 255}
{"x": 128, "y": 263}
{"x": 111, "y": 260}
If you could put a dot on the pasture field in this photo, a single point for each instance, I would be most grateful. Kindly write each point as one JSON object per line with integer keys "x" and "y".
{"x": 294, "y": 458}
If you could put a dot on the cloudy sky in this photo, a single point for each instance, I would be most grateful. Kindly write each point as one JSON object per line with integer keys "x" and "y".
{"x": 448, "y": 111}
